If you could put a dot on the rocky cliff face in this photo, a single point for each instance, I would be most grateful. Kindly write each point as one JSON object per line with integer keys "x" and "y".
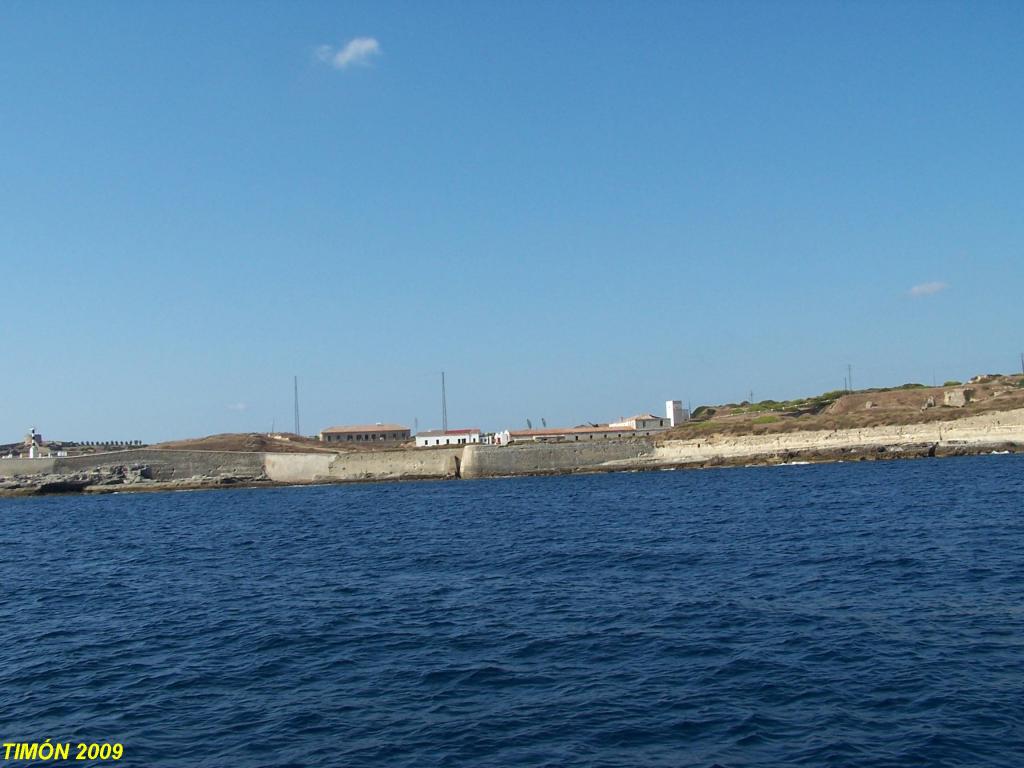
{"x": 105, "y": 473}
{"x": 48, "y": 482}
{"x": 988, "y": 431}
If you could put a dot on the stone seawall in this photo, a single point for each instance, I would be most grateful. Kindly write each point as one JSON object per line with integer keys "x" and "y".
{"x": 399, "y": 464}
{"x": 470, "y": 461}
{"x": 552, "y": 458}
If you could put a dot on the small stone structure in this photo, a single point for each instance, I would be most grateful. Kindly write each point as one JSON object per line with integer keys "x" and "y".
{"x": 958, "y": 398}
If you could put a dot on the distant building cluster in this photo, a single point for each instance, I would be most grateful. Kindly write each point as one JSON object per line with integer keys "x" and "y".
{"x": 641, "y": 425}
{"x": 33, "y": 446}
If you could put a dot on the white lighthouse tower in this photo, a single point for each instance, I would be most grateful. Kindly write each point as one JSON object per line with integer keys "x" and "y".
{"x": 675, "y": 413}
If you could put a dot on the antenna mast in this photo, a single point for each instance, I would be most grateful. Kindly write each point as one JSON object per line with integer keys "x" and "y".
{"x": 444, "y": 405}
{"x": 296, "y": 382}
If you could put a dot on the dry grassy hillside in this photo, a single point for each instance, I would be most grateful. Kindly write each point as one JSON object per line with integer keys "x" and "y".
{"x": 260, "y": 443}
{"x": 909, "y": 404}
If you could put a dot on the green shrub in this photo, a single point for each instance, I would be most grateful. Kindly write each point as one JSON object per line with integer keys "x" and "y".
{"x": 952, "y": 383}
{"x": 765, "y": 405}
{"x": 835, "y": 394}
{"x": 767, "y": 419}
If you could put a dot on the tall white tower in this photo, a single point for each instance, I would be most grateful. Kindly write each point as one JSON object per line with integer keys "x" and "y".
{"x": 675, "y": 413}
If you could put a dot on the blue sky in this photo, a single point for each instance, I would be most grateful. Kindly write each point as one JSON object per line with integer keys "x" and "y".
{"x": 577, "y": 210}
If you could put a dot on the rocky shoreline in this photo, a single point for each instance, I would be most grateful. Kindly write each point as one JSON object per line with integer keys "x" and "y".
{"x": 119, "y": 478}
{"x": 139, "y": 477}
{"x": 861, "y": 453}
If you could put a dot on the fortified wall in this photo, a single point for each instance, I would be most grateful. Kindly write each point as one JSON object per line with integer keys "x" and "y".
{"x": 552, "y": 458}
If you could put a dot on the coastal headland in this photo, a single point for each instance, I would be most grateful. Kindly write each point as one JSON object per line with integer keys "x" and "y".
{"x": 156, "y": 469}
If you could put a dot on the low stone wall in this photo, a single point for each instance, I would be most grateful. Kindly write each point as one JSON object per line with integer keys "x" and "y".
{"x": 552, "y": 458}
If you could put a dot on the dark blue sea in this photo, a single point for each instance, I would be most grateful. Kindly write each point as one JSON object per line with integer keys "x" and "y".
{"x": 866, "y": 614}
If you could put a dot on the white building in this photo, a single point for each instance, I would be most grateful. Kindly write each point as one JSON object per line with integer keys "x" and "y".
{"x": 437, "y": 437}
{"x": 643, "y": 424}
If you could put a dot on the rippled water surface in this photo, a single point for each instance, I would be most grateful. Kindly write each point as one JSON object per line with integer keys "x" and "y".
{"x": 843, "y": 615}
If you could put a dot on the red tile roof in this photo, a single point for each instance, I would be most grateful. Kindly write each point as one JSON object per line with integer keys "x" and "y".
{"x": 442, "y": 433}
{"x": 565, "y": 431}
{"x": 367, "y": 428}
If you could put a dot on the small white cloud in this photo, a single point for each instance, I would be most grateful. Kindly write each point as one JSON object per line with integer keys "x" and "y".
{"x": 359, "y": 50}
{"x": 927, "y": 289}
{"x": 238, "y": 407}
